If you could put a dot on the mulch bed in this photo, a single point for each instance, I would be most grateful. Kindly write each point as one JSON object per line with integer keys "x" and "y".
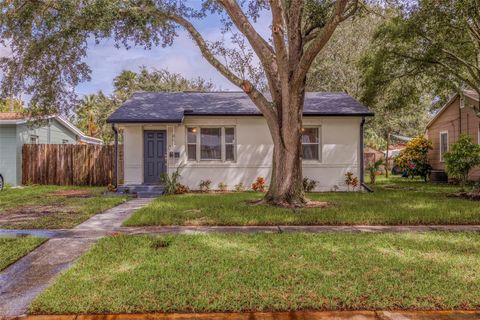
{"x": 474, "y": 196}
{"x": 20, "y": 215}
{"x": 310, "y": 204}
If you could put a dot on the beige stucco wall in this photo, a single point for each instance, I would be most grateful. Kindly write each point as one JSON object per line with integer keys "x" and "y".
{"x": 340, "y": 151}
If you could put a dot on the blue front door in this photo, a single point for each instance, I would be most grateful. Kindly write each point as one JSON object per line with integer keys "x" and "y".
{"x": 154, "y": 149}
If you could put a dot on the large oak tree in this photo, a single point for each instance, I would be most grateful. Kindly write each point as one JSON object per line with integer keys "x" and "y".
{"x": 50, "y": 38}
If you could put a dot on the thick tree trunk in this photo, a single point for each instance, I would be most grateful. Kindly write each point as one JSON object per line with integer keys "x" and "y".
{"x": 286, "y": 185}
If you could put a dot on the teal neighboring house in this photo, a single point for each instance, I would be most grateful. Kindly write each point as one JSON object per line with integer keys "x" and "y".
{"x": 16, "y": 130}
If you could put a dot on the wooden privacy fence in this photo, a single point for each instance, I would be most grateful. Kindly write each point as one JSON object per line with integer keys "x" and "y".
{"x": 68, "y": 164}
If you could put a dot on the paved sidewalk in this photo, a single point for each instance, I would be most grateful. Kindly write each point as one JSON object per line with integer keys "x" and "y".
{"x": 299, "y": 315}
{"x": 281, "y": 229}
{"x": 24, "y": 280}
{"x": 94, "y": 232}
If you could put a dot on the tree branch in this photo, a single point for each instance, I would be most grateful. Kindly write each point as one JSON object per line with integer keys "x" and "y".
{"x": 261, "y": 47}
{"x": 257, "y": 97}
{"x": 278, "y": 35}
{"x": 342, "y": 12}
{"x": 294, "y": 34}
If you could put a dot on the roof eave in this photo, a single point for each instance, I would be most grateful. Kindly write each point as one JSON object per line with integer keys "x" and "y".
{"x": 333, "y": 114}
{"x": 445, "y": 106}
{"x": 113, "y": 121}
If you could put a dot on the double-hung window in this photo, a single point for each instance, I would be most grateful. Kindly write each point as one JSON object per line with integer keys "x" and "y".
{"x": 443, "y": 144}
{"x": 311, "y": 143}
{"x": 192, "y": 143}
{"x": 229, "y": 144}
{"x": 211, "y": 144}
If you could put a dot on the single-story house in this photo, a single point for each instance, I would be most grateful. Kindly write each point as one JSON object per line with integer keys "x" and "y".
{"x": 16, "y": 130}
{"x": 222, "y": 137}
{"x": 460, "y": 115}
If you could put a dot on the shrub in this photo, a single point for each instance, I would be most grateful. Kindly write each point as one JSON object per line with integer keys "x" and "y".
{"x": 309, "y": 184}
{"x": 414, "y": 158}
{"x": 171, "y": 182}
{"x": 181, "y": 189}
{"x": 239, "y": 187}
{"x": 205, "y": 185}
{"x": 351, "y": 181}
{"x": 259, "y": 185}
{"x": 373, "y": 169}
{"x": 222, "y": 187}
{"x": 463, "y": 157}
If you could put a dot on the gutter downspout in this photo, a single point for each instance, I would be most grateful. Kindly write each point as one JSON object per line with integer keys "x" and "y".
{"x": 115, "y": 172}
{"x": 362, "y": 160}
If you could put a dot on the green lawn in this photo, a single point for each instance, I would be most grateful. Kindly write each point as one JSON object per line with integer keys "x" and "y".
{"x": 41, "y": 207}
{"x": 396, "y": 201}
{"x": 12, "y": 249}
{"x": 201, "y": 273}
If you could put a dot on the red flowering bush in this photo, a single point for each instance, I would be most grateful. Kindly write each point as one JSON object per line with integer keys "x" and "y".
{"x": 259, "y": 185}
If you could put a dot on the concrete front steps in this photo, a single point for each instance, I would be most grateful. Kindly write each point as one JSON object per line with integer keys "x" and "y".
{"x": 142, "y": 190}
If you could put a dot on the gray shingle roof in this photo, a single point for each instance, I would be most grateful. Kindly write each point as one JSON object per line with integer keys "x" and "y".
{"x": 171, "y": 107}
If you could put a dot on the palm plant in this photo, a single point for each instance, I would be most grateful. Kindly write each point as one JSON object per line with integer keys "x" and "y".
{"x": 373, "y": 169}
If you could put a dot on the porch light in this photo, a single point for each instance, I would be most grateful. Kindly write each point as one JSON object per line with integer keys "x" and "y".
{"x": 194, "y": 130}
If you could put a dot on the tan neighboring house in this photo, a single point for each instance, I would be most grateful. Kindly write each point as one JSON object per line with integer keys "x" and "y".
{"x": 458, "y": 116}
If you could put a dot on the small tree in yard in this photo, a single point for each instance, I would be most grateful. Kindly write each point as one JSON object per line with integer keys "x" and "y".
{"x": 463, "y": 157}
{"x": 414, "y": 158}
{"x": 57, "y": 34}
{"x": 373, "y": 169}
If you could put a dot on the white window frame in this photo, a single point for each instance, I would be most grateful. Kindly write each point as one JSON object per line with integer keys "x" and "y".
{"x": 222, "y": 142}
{"x": 319, "y": 143}
{"x": 478, "y": 134}
{"x": 34, "y": 139}
{"x": 440, "y": 144}
{"x": 197, "y": 148}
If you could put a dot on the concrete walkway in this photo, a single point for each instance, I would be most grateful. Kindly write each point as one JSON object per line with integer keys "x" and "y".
{"x": 24, "y": 280}
{"x": 83, "y": 232}
{"x": 286, "y": 229}
{"x": 298, "y": 315}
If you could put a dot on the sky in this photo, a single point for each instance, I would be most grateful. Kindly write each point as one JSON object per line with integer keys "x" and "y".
{"x": 106, "y": 61}
{"x": 182, "y": 57}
